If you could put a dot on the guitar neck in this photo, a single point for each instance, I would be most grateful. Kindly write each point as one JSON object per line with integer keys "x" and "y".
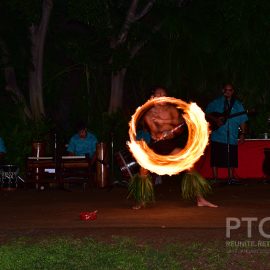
{"x": 173, "y": 132}
{"x": 237, "y": 114}
{"x": 178, "y": 129}
{"x": 222, "y": 117}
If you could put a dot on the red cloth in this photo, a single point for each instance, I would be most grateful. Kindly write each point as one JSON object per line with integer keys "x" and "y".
{"x": 250, "y": 161}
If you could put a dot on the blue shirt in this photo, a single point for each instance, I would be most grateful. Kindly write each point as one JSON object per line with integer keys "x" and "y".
{"x": 82, "y": 146}
{"x": 2, "y": 146}
{"x": 232, "y": 124}
{"x": 143, "y": 135}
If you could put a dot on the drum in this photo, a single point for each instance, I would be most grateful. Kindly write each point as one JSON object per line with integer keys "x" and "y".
{"x": 9, "y": 177}
{"x": 38, "y": 149}
{"x": 127, "y": 163}
{"x": 102, "y": 165}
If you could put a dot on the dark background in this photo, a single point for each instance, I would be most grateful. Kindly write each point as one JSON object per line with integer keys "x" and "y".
{"x": 191, "y": 47}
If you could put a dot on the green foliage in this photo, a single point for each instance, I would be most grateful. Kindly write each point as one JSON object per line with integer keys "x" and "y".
{"x": 18, "y": 133}
{"x": 14, "y": 48}
{"x": 206, "y": 43}
{"x": 40, "y": 129}
{"x": 113, "y": 125}
{"x": 93, "y": 13}
{"x": 29, "y": 9}
{"x": 18, "y": 138}
{"x": 194, "y": 185}
{"x": 199, "y": 46}
{"x": 141, "y": 189}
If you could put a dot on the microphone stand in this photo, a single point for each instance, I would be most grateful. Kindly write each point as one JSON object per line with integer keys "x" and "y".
{"x": 228, "y": 111}
{"x": 228, "y": 152}
{"x": 55, "y": 158}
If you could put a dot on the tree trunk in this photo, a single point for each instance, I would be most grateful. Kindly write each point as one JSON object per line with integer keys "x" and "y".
{"x": 117, "y": 89}
{"x": 117, "y": 79}
{"x": 38, "y": 34}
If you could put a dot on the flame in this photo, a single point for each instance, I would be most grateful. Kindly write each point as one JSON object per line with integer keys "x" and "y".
{"x": 198, "y": 136}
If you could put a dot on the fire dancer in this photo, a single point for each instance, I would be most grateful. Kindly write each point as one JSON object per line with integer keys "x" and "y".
{"x": 166, "y": 124}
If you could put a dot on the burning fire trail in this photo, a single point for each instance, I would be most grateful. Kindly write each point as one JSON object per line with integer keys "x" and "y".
{"x": 198, "y": 135}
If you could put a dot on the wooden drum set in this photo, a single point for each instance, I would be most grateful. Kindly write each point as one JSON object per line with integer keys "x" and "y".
{"x": 9, "y": 176}
{"x": 68, "y": 169}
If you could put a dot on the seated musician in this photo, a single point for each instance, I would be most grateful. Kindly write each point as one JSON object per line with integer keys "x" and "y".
{"x": 83, "y": 143}
{"x": 2, "y": 151}
{"x": 81, "y": 150}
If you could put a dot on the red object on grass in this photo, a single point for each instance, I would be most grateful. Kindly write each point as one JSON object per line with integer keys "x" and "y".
{"x": 88, "y": 215}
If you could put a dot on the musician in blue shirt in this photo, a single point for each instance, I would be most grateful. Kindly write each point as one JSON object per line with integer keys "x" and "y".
{"x": 82, "y": 143}
{"x": 2, "y": 149}
{"x": 226, "y": 115}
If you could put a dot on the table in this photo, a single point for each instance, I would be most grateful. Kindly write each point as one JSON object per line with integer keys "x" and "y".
{"x": 250, "y": 161}
{"x": 67, "y": 169}
{"x": 74, "y": 169}
{"x": 40, "y": 170}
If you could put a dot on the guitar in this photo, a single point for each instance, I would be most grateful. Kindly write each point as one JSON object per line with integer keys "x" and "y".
{"x": 217, "y": 119}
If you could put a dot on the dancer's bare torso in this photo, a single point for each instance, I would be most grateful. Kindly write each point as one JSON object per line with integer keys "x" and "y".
{"x": 161, "y": 119}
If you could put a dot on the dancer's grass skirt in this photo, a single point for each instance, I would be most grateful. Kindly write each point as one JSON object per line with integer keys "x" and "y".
{"x": 141, "y": 189}
{"x": 194, "y": 185}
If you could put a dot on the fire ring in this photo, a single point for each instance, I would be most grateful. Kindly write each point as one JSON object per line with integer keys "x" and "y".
{"x": 198, "y": 136}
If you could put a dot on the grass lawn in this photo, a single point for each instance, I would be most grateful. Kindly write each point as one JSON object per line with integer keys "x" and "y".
{"x": 126, "y": 253}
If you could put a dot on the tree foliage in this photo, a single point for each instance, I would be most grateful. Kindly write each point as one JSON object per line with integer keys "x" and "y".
{"x": 191, "y": 47}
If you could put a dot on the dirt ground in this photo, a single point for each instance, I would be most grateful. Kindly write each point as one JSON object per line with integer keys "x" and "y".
{"x": 53, "y": 211}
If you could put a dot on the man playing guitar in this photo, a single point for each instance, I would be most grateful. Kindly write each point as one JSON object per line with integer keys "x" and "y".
{"x": 227, "y": 115}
